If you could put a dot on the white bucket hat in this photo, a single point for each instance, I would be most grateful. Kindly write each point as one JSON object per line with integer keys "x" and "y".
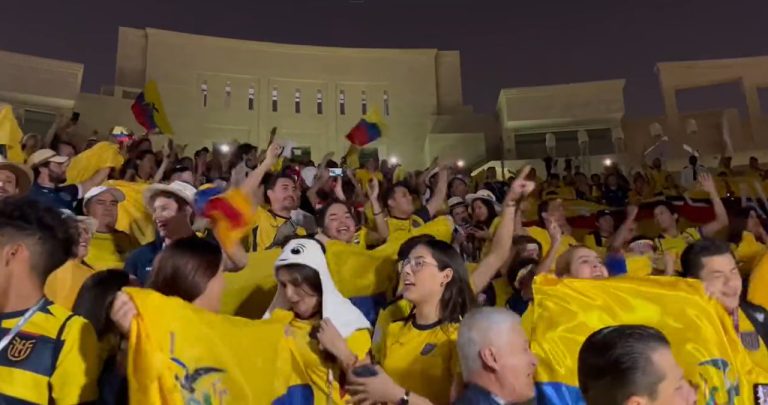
{"x": 344, "y": 315}
{"x": 178, "y": 188}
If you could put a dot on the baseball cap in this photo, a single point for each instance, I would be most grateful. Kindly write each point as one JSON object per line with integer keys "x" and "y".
{"x": 44, "y": 156}
{"x": 178, "y": 188}
{"x": 119, "y": 195}
{"x": 455, "y": 202}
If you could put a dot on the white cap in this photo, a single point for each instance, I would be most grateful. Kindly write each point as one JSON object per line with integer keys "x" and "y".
{"x": 178, "y": 188}
{"x": 119, "y": 195}
{"x": 344, "y": 315}
{"x": 455, "y": 202}
{"x": 43, "y": 156}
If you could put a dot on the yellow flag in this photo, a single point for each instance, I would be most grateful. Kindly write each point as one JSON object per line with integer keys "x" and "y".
{"x": 182, "y": 354}
{"x": 703, "y": 339}
{"x": 11, "y": 135}
{"x": 83, "y": 166}
{"x": 132, "y": 217}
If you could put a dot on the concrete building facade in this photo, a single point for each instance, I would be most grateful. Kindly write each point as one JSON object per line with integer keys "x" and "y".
{"x": 217, "y": 90}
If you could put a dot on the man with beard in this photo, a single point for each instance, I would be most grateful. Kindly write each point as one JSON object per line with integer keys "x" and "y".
{"x": 273, "y": 225}
{"x": 50, "y": 172}
{"x": 15, "y": 179}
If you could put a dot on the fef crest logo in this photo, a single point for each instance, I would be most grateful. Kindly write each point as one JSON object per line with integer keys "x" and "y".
{"x": 19, "y": 349}
{"x": 199, "y": 385}
{"x": 719, "y": 384}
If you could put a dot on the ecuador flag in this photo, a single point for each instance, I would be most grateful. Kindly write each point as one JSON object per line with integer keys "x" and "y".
{"x": 367, "y": 130}
{"x": 704, "y": 342}
{"x": 85, "y": 164}
{"x": 149, "y": 111}
{"x": 181, "y": 354}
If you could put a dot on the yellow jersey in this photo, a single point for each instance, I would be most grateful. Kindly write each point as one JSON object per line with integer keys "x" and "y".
{"x": 109, "y": 250}
{"x": 317, "y": 364}
{"x": 53, "y": 359}
{"x": 748, "y": 252}
{"x": 758, "y": 283}
{"x": 639, "y": 265}
{"x": 394, "y": 311}
{"x": 666, "y": 244}
{"x": 422, "y": 358}
{"x": 267, "y": 224}
{"x": 401, "y": 229}
{"x": 64, "y": 283}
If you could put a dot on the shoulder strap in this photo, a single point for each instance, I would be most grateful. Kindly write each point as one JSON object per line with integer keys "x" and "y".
{"x": 57, "y": 346}
{"x": 761, "y": 328}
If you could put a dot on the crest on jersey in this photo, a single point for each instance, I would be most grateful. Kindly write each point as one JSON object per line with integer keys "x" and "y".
{"x": 19, "y": 349}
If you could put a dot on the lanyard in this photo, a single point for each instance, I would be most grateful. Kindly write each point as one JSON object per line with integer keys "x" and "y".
{"x": 24, "y": 319}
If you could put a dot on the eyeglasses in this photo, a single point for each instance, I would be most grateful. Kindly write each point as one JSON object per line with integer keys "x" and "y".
{"x": 416, "y": 264}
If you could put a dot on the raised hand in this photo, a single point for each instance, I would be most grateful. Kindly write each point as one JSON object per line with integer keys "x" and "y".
{"x": 373, "y": 188}
{"x": 707, "y": 183}
{"x": 273, "y": 153}
{"x": 520, "y": 187}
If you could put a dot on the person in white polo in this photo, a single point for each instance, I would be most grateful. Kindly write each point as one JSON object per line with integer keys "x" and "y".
{"x": 109, "y": 247}
{"x": 50, "y": 172}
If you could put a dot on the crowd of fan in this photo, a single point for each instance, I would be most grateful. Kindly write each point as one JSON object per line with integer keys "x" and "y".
{"x": 486, "y": 357}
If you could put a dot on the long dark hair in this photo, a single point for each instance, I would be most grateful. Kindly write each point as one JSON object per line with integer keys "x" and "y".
{"x": 457, "y": 298}
{"x": 303, "y": 276}
{"x": 184, "y": 268}
{"x": 94, "y": 301}
{"x": 491, "y": 212}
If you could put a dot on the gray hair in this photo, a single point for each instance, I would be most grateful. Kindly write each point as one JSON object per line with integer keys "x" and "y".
{"x": 479, "y": 329}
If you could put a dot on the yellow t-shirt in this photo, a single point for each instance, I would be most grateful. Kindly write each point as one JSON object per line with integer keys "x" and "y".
{"x": 109, "y": 250}
{"x": 401, "y": 229}
{"x": 488, "y": 243}
{"x": 659, "y": 178}
{"x": 422, "y": 359}
{"x": 267, "y": 224}
{"x": 316, "y": 363}
{"x": 542, "y": 236}
{"x": 665, "y": 244}
{"x": 64, "y": 283}
{"x": 394, "y": 311}
{"x": 25, "y": 370}
{"x": 752, "y": 342}
{"x": 639, "y": 265}
{"x": 748, "y": 252}
{"x": 758, "y": 283}
{"x": 503, "y": 291}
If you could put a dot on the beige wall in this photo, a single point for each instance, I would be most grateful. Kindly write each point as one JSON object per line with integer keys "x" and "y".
{"x": 421, "y": 84}
{"x": 38, "y": 83}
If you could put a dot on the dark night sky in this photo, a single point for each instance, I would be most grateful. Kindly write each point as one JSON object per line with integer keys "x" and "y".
{"x": 503, "y": 43}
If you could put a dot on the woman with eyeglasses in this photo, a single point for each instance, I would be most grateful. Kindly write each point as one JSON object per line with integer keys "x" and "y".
{"x": 417, "y": 357}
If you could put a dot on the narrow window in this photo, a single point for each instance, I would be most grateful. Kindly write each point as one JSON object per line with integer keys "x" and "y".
{"x": 319, "y": 102}
{"x": 342, "y": 103}
{"x": 364, "y": 102}
{"x": 274, "y": 99}
{"x": 251, "y": 97}
{"x": 204, "y": 93}
{"x": 227, "y": 94}
{"x": 297, "y": 101}
{"x": 386, "y": 103}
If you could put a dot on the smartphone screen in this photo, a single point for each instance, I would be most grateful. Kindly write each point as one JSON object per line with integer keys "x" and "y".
{"x": 336, "y": 172}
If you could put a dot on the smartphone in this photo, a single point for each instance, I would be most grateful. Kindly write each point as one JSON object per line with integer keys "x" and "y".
{"x": 75, "y": 117}
{"x": 336, "y": 172}
{"x": 365, "y": 371}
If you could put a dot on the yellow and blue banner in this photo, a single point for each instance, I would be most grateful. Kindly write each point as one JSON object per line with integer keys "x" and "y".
{"x": 179, "y": 353}
{"x": 703, "y": 339}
